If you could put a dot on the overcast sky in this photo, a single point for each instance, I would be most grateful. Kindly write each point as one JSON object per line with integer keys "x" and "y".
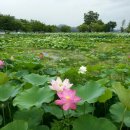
{"x": 68, "y": 12}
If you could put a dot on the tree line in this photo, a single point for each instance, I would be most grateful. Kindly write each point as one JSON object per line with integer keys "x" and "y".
{"x": 92, "y": 23}
{"x": 10, "y": 23}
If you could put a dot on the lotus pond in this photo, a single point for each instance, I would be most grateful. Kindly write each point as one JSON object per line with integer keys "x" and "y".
{"x": 72, "y": 81}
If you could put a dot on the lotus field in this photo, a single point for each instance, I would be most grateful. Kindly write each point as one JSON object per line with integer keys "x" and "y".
{"x": 71, "y": 81}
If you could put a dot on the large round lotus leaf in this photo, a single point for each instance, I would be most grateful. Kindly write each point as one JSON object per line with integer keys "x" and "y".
{"x": 50, "y": 71}
{"x": 32, "y": 116}
{"x": 33, "y": 97}
{"x": 58, "y": 112}
{"x": 117, "y": 111}
{"x": 85, "y": 108}
{"x": 54, "y": 110}
{"x": 7, "y": 91}
{"x": 3, "y": 78}
{"x": 103, "y": 81}
{"x": 106, "y": 96}
{"x": 36, "y": 79}
{"x": 16, "y": 125}
{"x": 43, "y": 127}
{"x": 21, "y": 73}
{"x": 89, "y": 122}
{"x": 90, "y": 92}
{"x": 29, "y": 65}
{"x": 123, "y": 93}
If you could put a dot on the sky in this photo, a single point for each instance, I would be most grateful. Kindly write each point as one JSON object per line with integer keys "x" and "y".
{"x": 69, "y": 12}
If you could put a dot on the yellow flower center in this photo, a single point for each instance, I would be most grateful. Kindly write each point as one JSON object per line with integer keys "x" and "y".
{"x": 67, "y": 97}
{"x": 60, "y": 85}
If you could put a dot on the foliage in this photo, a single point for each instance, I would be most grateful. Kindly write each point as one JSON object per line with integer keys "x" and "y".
{"x": 93, "y": 24}
{"x": 16, "y": 125}
{"x": 25, "y": 100}
{"x": 88, "y": 122}
{"x": 90, "y": 17}
{"x": 128, "y": 28}
{"x": 28, "y": 103}
{"x": 123, "y": 94}
{"x": 90, "y": 91}
{"x": 117, "y": 111}
{"x": 65, "y": 28}
{"x": 83, "y": 28}
{"x": 32, "y": 116}
{"x": 110, "y": 26}
{"x": 10, "y": 23}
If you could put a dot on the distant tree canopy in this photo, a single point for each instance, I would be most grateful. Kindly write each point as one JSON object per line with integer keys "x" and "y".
{"x": 10, "y": 23}
{"x": 110, "y": 26}
{"x": 128, "y": 28}
{"x": 90, "y": 17}
{"x": 92, "y": 23}
{"x": 125, "y": 28}
{"x": 122, "y": 26}
{"x": 65, "y": 28}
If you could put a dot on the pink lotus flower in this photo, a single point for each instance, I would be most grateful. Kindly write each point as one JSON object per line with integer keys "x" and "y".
{"x": 68, "y": 99}
{"x": 1, "y": 64}
{"x": 41, "y": 55}
{"x": 59, "y": 86}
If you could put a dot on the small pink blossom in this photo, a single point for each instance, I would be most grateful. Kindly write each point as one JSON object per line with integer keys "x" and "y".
{"x": 41, "y": 56}
{"x": 1, "y": 64}
{"x": 68, "y": 99}
{"x": 129, "y": 57}
{"x": 59, "y": 86}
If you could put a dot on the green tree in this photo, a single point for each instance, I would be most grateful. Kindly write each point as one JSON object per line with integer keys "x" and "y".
{"x": 90, "y": 17}
{"x": 97, "y": 26}
{"x": 122, "y": 26}
{"x": 83, "y": 28}
{"x": 51, "y": 28}
{"x": 37, "y": 26}
{"x": 10, "y": 23}
{"x": 110, "y": 26}
{"x": 17, "y": 25}
{"x": 7, "y": 22}
{"x": 26, "y": 26}
{"x": 128, "y": 28}
{"x": 65, "y": 28}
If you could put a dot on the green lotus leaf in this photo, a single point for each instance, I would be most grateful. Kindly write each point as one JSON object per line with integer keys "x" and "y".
{"x": 16, "y": 125}
{"x": 118, "y": 113}
{"x": 43, "y": 127}
{"x": 50, "y": 71}
{"x": 32, "y": 116}
{"x": 85, "y": 108}
{"x": 123, "y": 93}
{"x": 106, "y": 96}
{"x": 103, "y": 81}
{"x": 34, "y": 96}
{"x": 54, "y": 110}
{"x": 90, "y": 92}
{"x": 36, "y": 79}
{"x": 7, "y": 91}
{"x": 89, "y": 122}
{"x": 3, "y": 78}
